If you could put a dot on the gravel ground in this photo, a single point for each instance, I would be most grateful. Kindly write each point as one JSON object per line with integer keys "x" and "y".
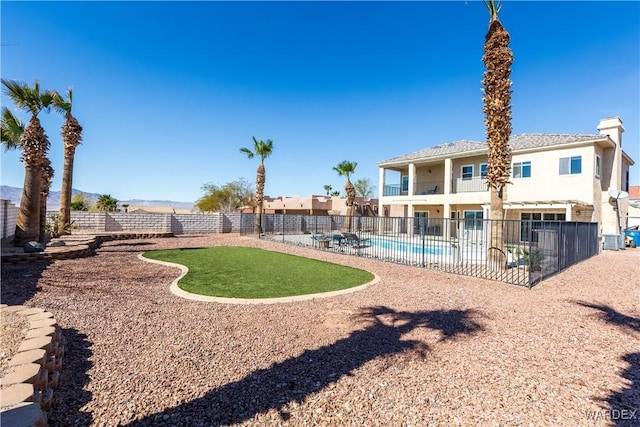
{"x": 418, "y": 348}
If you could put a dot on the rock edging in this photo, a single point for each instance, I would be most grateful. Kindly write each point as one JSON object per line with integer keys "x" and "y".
{"x": 82, "y": 246}
{"x": 33, "y": 371}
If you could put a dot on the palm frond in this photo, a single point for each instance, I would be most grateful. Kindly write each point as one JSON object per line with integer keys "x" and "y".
{"x": 493, "y": 6}
{"x": 248, "y": 152}
{"x": 11, "y": 130}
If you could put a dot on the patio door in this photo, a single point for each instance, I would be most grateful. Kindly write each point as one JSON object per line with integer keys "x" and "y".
{"x": 421, "y": 222}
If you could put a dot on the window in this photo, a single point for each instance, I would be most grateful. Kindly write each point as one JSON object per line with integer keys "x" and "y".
{"x": 571, "y": 165}
{"x": 554, "y": 217}
{"x": 467, "y": 172}
{"x": 522, "y": 170}
{"x": 626, "y": 182}
{"x": 405, "y": 183}
{"x": 473, "y": 220}
{"x": 598, "y": 162}
{"x": 484, "y": 170}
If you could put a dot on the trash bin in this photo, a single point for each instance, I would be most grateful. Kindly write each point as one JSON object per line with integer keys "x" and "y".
{"x": 635, "y": 236}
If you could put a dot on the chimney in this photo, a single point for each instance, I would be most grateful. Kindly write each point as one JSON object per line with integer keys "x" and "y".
{"x": 612, "y": 126}
{"x": 612, "y": 157}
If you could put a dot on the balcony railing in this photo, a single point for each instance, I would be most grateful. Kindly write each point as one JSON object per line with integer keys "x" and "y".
{"x": 460, "y": 185}
{"x": 475, "y": 184}
{"x": 420, "y": 188}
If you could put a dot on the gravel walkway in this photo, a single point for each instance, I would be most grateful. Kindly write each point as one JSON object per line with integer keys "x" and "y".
{"x": 418, "y": 348}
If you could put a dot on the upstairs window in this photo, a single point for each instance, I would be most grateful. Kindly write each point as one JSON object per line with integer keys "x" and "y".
{"x": 467, "y": 172}
{"x": 484, "y": 170}
{"x": 405, "y": 183}
{"x": 598, "y": 165}
{"x": 522, "y": 170}
{"x": 571, "y": 165}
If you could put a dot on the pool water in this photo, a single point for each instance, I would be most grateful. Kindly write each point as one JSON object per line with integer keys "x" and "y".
{"x": 429, "y": 247}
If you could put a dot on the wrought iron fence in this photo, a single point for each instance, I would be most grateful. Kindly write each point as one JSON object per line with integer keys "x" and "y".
{"x": 520, "y": 252}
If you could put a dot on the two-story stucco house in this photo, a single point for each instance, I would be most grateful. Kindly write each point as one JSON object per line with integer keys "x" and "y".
{"x": 567, "y": 177}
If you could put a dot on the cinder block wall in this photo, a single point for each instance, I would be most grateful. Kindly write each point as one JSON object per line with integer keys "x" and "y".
{"x": 8, "y": 218}
{"x": 158, "y": 222}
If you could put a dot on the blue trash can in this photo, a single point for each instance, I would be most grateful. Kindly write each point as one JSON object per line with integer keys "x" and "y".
{"x": 634, "y": 234}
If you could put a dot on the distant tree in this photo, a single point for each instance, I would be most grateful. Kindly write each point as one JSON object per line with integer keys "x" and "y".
{"x": 71, "y": 137}
{"x": 226, "y": 198}
{"x": 328, "y": 189}
{"x": 81, "y": 202}
{"x": 34, "y": 144}
{"x": 335, "y": 193}
{"x": 261, "y": 149}
{"x": 365, "y": 188}
{"x": 347, "y": 168}
{"x": 106, "y": 203}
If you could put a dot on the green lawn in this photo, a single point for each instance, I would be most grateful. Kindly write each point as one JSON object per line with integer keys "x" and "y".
{"x": 240, "y": 272}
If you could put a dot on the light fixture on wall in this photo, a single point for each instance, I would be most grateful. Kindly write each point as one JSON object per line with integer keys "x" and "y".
{"x": 578, "y": 213}
{"x": 437, "y": 210}
{"x": 429, "y": 170}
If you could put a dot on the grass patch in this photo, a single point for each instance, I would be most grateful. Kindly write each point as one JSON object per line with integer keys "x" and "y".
{"x": 240, "y": 272}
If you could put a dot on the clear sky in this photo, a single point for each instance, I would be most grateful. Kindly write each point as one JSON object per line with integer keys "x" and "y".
{"x": 168, "y": 92}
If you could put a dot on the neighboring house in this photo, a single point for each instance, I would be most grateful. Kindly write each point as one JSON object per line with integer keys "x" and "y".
{"x": 565, "y": 177}
{"x": 634, "y": 206}
{"x": 316, "y": 205}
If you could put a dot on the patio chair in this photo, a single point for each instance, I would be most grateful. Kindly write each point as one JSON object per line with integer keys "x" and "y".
{"x": 352, "y": 239}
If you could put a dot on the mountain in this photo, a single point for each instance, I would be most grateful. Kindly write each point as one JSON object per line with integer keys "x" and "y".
{"x": 14, "y": 194}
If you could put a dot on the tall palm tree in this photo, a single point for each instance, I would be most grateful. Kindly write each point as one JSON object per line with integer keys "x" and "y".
{"x": 328, "y": 189}
{"x": 347, "y": 168}
{"x": 71, "y": 137}
{"x": 261, "y": 149}
{"x": 34, "y": 144}
{"x": 497, "y": 59}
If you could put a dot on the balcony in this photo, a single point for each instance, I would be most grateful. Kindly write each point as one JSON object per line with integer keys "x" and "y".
{"x": 419, "y": 188}
{"x": 469, "y": 185}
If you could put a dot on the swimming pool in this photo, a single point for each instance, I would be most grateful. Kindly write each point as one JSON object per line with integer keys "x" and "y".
{"x": 430, "y": 247}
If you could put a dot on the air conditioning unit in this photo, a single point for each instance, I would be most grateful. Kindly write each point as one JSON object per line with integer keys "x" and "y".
{"x": 610, "y": 242}
{"x": 621, "y": 241}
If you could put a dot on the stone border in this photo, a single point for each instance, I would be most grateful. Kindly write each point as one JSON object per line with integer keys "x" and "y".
{"x": 33, "y": 371}
{"x": 176, "y": 290}
{"x": 82, "y": 246}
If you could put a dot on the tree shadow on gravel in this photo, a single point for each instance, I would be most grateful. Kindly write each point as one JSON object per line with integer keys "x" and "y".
{"x": 298, "y": 377}
{"x": 70, "y": 396}
{"x": 624, "y": 404}
{"x": 19, "y": 282}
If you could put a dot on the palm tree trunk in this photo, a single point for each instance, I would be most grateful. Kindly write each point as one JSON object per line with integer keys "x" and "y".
{"x": 260, "y": 180}
{"x": 65, "y": 195}
{"x": 42, "y": 233}
{"x": 28, "y": 223}
{"x": 497, "y": 256}
{"x": 351, "y": 197}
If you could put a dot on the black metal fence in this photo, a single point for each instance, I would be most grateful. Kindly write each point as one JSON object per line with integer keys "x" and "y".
{"x": 518, "y": 252}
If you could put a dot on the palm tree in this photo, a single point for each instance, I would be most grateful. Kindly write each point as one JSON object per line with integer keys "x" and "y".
{"x": 71, "y": 136}
{"x": 106, "y": 203}
{"x": 262, "y": 149}
{"x": 498, "y": 59}
{"x": 34, "y": 144}
{"x": 328, "y": 189}
{"x": 347, "y": 168}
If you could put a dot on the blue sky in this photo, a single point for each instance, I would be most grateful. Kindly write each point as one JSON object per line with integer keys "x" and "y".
{"x": 168, "y": 92}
